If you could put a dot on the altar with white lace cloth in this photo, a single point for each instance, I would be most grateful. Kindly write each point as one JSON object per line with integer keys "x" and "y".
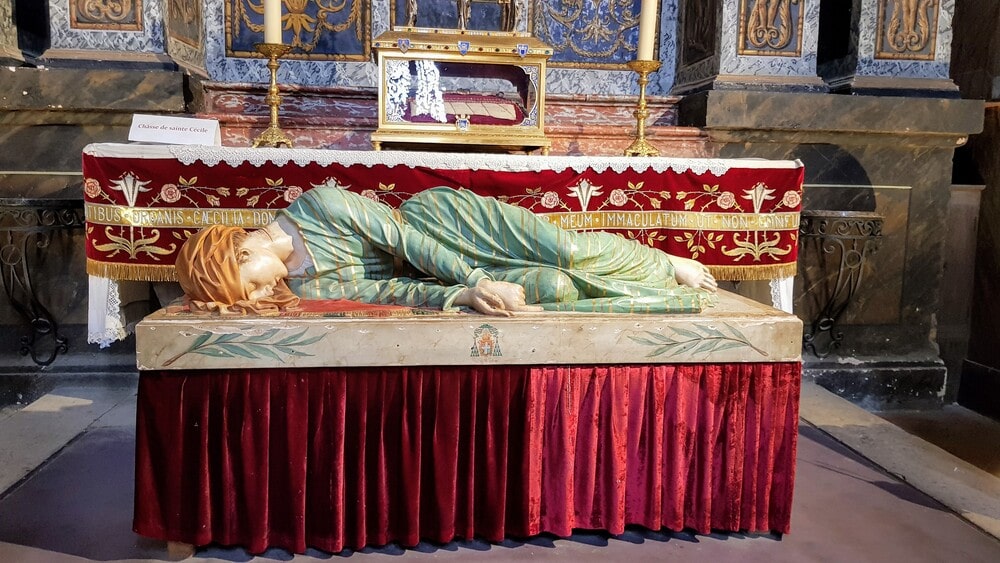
{"x": 740, "y": 217}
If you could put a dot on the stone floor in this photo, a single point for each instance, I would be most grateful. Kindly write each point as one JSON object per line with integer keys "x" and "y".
{"x": 66, "y": 462}
{"x": 961, "y": 432}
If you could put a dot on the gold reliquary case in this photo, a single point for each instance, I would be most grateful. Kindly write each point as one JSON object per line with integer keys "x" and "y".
{"x": 461, "y": 88}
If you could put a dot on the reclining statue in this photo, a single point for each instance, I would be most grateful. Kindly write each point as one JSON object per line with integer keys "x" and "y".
{"x": 443, "y": 248}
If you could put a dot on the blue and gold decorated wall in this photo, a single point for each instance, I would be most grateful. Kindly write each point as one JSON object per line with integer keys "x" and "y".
{"x": 602, "y": 34}
{"x": 320, "y": 30}
{"x": 331, "y": 40}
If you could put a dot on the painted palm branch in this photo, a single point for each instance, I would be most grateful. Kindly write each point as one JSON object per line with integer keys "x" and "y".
{"x": 264, "y": 345}
{"x": 699, "y": 340}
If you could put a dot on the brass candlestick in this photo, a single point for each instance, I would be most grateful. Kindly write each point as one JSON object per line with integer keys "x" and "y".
{"x": 639, "y": 146}
{"x": 273, "y": 136}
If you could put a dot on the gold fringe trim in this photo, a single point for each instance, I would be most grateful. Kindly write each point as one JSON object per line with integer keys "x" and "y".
{"x": 134, "y": 272}
{"x": 161, "y": 273}
{"x": 355, "y": 314}
{"x": 753, "y": 272}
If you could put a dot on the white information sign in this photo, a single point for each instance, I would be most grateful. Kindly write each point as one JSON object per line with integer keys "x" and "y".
{"x": 174, "y": 130}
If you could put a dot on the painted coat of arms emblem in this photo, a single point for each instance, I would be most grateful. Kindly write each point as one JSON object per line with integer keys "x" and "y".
{"x": 403, "y": 44}
{"x": 522, "y": 49}
{"x": 486, "y": 342}
{"x": 463, "y": 47}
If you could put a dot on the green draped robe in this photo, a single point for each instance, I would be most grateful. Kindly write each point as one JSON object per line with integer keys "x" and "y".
{"x": 358, "y": 248}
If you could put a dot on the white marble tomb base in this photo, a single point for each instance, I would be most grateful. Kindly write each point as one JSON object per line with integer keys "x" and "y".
{"x": 736, "y": 330}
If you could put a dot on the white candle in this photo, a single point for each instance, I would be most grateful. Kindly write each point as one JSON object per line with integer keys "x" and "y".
{"x": 647, "y": 29}
{"x": 272, "y": 21}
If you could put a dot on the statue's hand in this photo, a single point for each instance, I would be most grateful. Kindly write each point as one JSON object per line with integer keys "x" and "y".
{"x": 693, "y": 274}
{"x": 483, "y": 301}
{"x": 511, "y": 294}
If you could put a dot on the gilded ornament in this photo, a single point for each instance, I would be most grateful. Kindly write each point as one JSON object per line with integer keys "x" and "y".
{"x": 769, "y": 27}
{"x": 117, "y": 15}
{"x": 907, "y": 28}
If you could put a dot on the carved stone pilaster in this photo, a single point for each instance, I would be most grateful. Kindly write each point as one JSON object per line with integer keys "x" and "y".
{"x": 748, "y": 45}
{"x": 887, "y": 46}
{"x": 9, "y": 51}
{"x": 120, "y": 32}
{"x": 185, "y": 34}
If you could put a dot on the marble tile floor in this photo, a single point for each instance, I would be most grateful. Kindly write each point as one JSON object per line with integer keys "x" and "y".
{"x": 66, "y": 462}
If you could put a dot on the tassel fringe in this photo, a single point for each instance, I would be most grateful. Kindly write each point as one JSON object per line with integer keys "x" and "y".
{"x": 754, "y": 272}
{"x": 134, "y": 272}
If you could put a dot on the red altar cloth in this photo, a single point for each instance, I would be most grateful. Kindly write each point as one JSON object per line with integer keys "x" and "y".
{"x": 740, "y": 217}
{"x": 335, "y": 458}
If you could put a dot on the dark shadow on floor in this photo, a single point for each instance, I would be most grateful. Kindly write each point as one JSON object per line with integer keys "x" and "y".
{"x": 899, "y": 489}
{"x": 635, "y": 535}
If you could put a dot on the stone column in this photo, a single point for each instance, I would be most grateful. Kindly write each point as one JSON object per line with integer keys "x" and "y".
{"x": 890, "y": 47}
{"x": 887, "y": 155}
{"x": 9, "y": 51}
{"x": 748, "y": 45}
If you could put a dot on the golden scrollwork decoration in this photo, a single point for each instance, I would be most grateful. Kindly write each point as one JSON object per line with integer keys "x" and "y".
{"x": 105, "y": 9}
{"x": 123, "y": 15}
{"x": 592, "y": 32}
{"x": 307, "y": 19}
{"x": 769, "y": 27}
{"x": 907, "y": 29}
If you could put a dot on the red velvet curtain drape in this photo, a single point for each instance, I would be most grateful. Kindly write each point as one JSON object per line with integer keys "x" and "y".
{"x": 335, "y": 458}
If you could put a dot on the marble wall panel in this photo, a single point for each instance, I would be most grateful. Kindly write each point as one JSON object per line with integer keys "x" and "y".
{"x": 145, "y": 36}
{"x": 576, "y": 124}
{"x": 37, "y": 136}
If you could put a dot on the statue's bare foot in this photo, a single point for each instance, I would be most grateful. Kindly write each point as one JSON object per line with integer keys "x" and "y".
{"x": 693, "y": 274}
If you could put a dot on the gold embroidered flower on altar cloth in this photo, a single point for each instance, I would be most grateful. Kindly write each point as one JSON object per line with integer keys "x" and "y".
{"x": 170, "y": 193}
{"x": 91, "y": 188}
{"x": 292, "y": 193}
{"x": 550, "y": 200}
{"x": 726, "y": 200}
{"x": 618, "y": 198}
{"x": 791, "y": 199}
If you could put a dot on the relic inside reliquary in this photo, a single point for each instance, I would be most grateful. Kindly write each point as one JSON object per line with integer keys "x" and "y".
{"x": 458, "y": 72}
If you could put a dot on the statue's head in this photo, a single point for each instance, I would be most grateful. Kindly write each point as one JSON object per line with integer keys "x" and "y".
{"x": 218, "y": 272}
